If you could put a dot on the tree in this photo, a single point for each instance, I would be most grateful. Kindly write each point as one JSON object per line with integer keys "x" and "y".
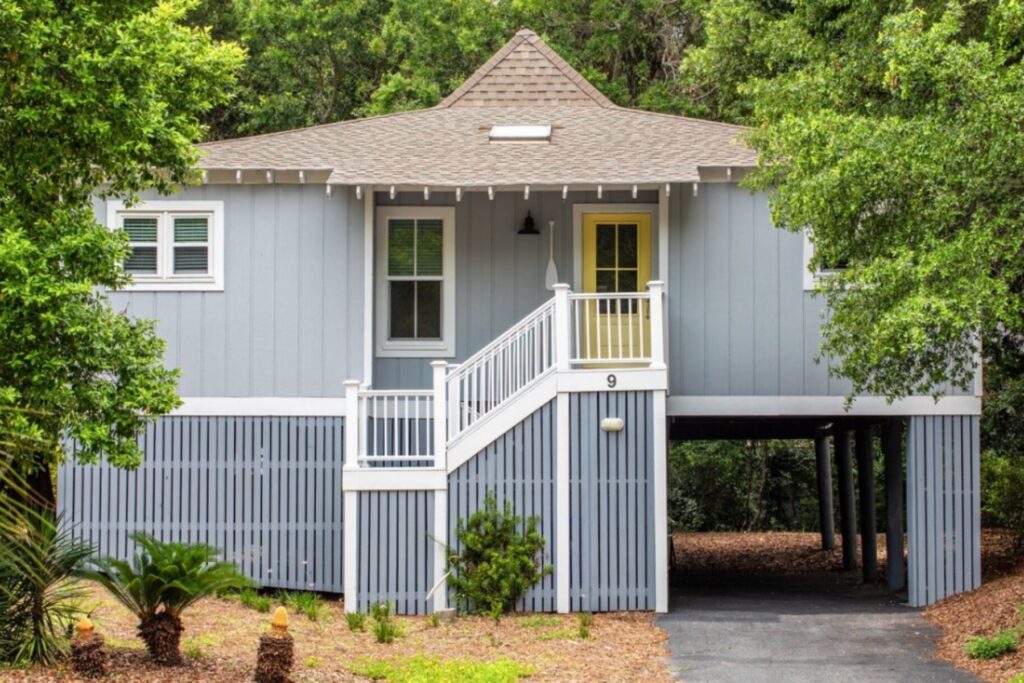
{"x": 892, "y": 131}
{"x": 101, "y": 99}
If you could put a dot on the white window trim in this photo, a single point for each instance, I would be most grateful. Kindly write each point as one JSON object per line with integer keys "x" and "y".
{"x": 812, "y": 278}
{"x": 212, "y": 282}
{"x": 445, "y": 347}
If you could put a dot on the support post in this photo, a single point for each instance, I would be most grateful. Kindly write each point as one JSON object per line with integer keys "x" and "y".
{"x": 866, "y": 486}
{"x": 562, "y": 549}
{"x": 440, "y": 545}
{"x": 825, "y": 519}
{"x": 350, "y": 518}
{"x": 656, "y": 288}
{"x": 562, "y": 332}
{"x": 440, "y": 369}
{"x": 847, "y": 503}
{"x": 660, "y": 439}
{"x": 895, "y": 575}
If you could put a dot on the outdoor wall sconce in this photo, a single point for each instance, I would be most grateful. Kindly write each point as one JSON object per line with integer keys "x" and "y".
{"x": 529, "y": 228}
{"x": 612, "y": 424}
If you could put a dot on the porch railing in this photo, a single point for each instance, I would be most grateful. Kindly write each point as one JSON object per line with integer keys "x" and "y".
{"x": 570, "y": 331}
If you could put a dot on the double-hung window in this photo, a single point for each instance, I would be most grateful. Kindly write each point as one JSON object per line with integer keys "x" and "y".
{"x": 175, "y": 245}
{"x": 415, "y": 281}
{"x": 813, "y": 277}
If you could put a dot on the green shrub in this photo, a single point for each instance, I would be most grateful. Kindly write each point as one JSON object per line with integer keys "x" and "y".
{"x": 1002, "y": 492}
{"x": 1017, "y": 678}
{"x": 422, "y": 669}
{"x": 586, "y": 622}
{"x": 385, "y": 628}
{"x": 38, "y": 593}
{"x": 985, "y": 647}
{"x": 253, "y": 599}
{"x": 356, "y": 621}
{"x": 435, "y": 620}
{"x": 498, "y": 561}
{"x": 162, "y": 581}
{"x": 310, "y": 604}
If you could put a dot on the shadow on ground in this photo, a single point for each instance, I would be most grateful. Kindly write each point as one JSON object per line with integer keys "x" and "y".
{"x": 826, "y": 626}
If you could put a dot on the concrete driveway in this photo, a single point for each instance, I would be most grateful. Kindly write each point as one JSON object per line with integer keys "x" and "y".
{"x": 813, "y": 628}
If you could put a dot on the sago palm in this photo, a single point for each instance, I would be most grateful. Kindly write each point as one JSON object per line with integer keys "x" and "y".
{"x": 163, "y": 580}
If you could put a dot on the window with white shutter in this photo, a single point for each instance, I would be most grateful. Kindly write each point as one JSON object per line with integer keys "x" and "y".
{"x": 175, "y": 245}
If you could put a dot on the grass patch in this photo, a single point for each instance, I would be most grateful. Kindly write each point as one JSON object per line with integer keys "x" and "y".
{"x": 990, "y": 647}
{"x": 254, "y": 600}
{"x": 539, "y": 621}
{"x": 585, "y": 623}
{"x": 197, "y": 646}
{"x": 559, "y": 634}
{"x": 434, "y": 620}
{"x": 421, "y": 669}
{"x": 310, "y": 604}
{"x": 313, "y": 662}
{"x": 356, "y": 621}
{"x": 385, "y": 628}
{"x": 123, "y": 643}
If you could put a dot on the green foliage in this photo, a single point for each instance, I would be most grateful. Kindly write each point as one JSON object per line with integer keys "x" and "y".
{"x": 538, "y": 621}
{"x": 253, "y": 599}
{"x": 883, "y": 127}
{"x": 497, "y": 559}
{"x": 310, "y": 604}
{"x": 385, "y": 628}
{"x": 585, "y": 623}
{"x": 161, "y": 581}
{"x": 1017, "y": 678}
{"x": 423, "y": 669}
{"x": 313, "y": 662}
{"x": 1002, "y": 493}
{"x": 984, "y": 647}
{"x": 356, "y": 621}
{"x": 102, "y": 98}
{"x": 434, "y": 620}
{"x": 39, "y": 596}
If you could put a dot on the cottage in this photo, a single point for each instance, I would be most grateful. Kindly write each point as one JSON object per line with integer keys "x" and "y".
{"x": 524, "y": 289}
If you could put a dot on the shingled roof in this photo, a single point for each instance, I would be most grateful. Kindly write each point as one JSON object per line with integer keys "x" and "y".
{"x": 593, "y": 141}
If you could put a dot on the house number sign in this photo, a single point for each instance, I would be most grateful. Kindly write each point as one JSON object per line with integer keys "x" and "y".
{"x": 612, "y": 381}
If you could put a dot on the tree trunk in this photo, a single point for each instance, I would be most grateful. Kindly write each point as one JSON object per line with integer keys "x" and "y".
{"x": 162, "y": 635}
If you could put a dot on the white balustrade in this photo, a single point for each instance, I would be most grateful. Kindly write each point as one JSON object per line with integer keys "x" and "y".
{"x": 611, "y": 329}
{"x": 396, "y": 427}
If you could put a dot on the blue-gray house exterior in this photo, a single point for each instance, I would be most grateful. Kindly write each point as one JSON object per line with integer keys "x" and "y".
{"x": 318, "y": 457}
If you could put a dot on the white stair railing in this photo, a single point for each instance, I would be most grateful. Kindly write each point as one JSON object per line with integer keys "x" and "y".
{"x": 396, "y": 427}
{"x": 497, "y": 372}
{"x": 610, "y": 329}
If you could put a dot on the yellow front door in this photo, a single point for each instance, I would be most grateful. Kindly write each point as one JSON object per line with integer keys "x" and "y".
{"x": 616, "y": 259}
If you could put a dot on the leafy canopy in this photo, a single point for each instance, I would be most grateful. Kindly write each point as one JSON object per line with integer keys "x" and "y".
{"x": 101, "y": 99}
{"x": 893, "y": 131}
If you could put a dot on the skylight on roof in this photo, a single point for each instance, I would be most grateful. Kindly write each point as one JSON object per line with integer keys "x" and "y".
{"x": 521, "y": 133}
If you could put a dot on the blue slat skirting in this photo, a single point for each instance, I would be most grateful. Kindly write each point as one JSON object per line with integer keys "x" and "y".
{"x": 266, "y": 491}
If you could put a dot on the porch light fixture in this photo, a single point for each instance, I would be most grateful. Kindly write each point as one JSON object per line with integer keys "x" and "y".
{"x": 503, "y": 133}
{"x": 529, "y": 227}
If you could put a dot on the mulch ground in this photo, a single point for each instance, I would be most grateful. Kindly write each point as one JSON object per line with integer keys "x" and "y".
{"x": 986, "y": 611}
{"x": 221, "y": 638}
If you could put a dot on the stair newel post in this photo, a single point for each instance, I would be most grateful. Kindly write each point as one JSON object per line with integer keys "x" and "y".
{"x": 352, "y": 423}
{"x": 656, "y": 289}
{"x": 562, "y": 331}
{"x": 440, "y": 413}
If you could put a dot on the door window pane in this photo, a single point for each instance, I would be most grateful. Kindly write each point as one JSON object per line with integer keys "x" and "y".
{"x": 627, "y": 246}
{"x": 403, "y": 307}
{"x": 605, "y": 246}
{"x": 428, "y": 310}
{"x": 606, "y": 281}
{"x": 627, "y": 281}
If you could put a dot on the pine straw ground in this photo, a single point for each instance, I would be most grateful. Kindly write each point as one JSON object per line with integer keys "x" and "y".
{"x": 221, "y": 638}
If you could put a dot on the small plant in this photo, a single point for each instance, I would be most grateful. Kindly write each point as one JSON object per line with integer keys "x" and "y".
{"x": 356, "y": 621}
{"x": 586, "y": 622}
{"x": 254, "y": 600}
{"x": 310, "y": 604}
{"x": 435, "y": 620}
{"x": 540, "y": 621}
{"x": 162, "y": 581}
{"x": 385, "y": 628}
{"x": 1019, "y": 678}
{"x": 985, "y": 647}
{"x": 497, "y": 560}
{"x": 193, "y": 650}
{"x": 313, "y": 662}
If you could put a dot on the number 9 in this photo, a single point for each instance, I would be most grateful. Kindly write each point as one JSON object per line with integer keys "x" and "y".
{"x": 612, "y": 381}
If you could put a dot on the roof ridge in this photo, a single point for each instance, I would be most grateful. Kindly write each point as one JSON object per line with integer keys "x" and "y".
{"x": 526, "y": 35}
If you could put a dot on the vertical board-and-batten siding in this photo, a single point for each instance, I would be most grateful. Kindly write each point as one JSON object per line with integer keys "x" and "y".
{"x": 396, "y": 550}
{"x": 499, "y": 274}
{"x": 266, "y": 491}
{"x": 289, "y": 321}
{"x": 518, "y": 467}
{"x": 943, "y": 507}
{"x": 611, "y": 484}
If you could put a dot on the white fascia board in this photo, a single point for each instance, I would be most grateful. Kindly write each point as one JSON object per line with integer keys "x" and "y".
{"x": 796, "y": 406}
{"x": 613, "y": 379}
{"x": 261, "y": 406}
{"x": 394, "y": 479}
